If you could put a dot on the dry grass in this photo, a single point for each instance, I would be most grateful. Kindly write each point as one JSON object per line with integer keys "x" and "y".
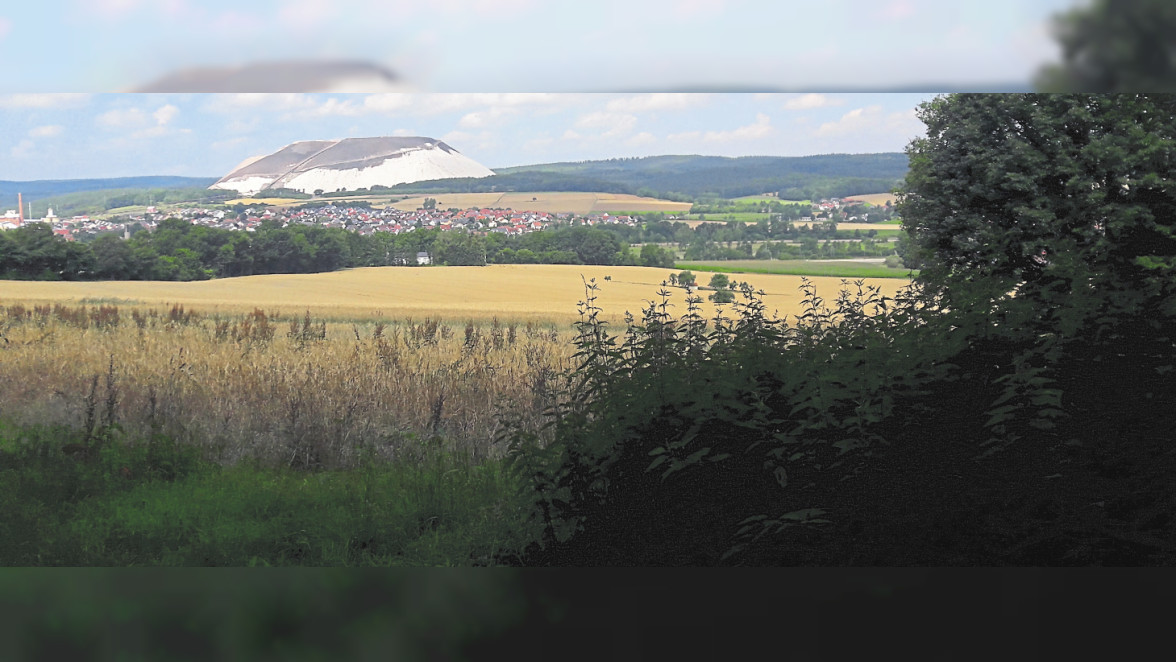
{"x": 542, "y": 293}
{"x": 301, "y": 392}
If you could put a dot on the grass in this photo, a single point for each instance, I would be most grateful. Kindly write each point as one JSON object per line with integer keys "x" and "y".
{"x": 738, "y": 216}
{"x": 836, "y": 268}
{"x": 156, "y": 502}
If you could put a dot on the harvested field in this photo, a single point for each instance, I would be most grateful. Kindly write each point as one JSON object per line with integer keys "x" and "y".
{"x": 875, "y": 198}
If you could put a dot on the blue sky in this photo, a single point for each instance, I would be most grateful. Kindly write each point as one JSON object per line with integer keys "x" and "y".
{"x": 537, "y": 45}
{"x": 67, "y": 136}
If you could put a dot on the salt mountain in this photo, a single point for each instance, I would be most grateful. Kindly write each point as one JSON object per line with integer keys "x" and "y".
{"x": 350, "y": 164}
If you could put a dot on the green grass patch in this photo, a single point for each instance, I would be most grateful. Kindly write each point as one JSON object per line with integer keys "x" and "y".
{"x": 156, "y": 503}
{"x": 893, "y": 221}
{"x": 841, "y": 268}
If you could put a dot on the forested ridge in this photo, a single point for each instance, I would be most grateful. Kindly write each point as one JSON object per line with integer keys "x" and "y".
{"x": 689, "y": 177}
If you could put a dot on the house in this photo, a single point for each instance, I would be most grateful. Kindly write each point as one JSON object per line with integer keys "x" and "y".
{"x": 423, "y": 258}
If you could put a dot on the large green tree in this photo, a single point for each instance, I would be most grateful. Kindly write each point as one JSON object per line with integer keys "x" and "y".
{"x": 1114, "y": 46}
{"x": 1068, "y": 200}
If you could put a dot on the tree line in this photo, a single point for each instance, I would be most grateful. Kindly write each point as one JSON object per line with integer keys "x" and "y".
{"x": 179, "y": 250}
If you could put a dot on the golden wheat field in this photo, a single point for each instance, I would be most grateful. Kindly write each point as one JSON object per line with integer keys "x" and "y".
{"x": 296, "y": 392}
{"x": 518, "y": 292}
{"x": 874, "y": 198}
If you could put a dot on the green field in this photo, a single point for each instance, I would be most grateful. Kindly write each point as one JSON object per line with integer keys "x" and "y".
{"x": 738, "y": 216}
{"x": 837, "y": 268}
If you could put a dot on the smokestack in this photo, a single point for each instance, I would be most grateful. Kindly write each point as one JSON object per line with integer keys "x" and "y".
{"x": 20, "y": 209}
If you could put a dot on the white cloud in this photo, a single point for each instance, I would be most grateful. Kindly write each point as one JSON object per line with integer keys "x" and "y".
{"x": 571, "y": 135}
{"x": 119, "y": 117}
{"x": 307, "y": 14}
{"x": 614, "y": 124}
{"x": 698, "y": 9}
{"x": 643, "y": 138}
{"x": 47, "y": 131}
{"x": 21, "y": 149}
{"x": 761, "y": 128}
{"x": 852, "y": 122}
{"x": 872, "y": 120}
{"x": 404, "y": 132}
{"x": 897, "y": 9}
{"x": 811, "y": 101}
{"x": 43, "y": 101}
{"x": 165, "y": 114}
{"x": 236, "y": 21}
{"x": 482, "y": 8}
{"x": 242, "y": 125}
{"x": 464, "y": 141}
{"x": 652, "y": 102}
{"x": 149, "y": 126}
{"x": 228, "y": 143}
{"x": 253, "y": 101}
{"x": 456, "y": 137}
{"x": 486, "y": 106}
{"x": 482, "y": 118}
{"x": 111, "y": 8}
{"x": 537, "y": 144}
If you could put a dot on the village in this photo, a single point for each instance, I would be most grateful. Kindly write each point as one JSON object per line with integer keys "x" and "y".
{"x": 361, "y": 219}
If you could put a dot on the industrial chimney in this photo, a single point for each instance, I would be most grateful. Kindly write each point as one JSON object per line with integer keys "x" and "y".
{"x": 20, "y": 209}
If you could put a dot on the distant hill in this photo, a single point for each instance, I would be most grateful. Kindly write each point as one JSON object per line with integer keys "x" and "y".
{"x": 43, "y": 188}
{"x": 804, "y": 177}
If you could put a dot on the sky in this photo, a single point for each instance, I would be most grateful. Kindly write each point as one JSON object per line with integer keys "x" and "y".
{"x": 539, "y": 45}
{"x": 72, "y": 136}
